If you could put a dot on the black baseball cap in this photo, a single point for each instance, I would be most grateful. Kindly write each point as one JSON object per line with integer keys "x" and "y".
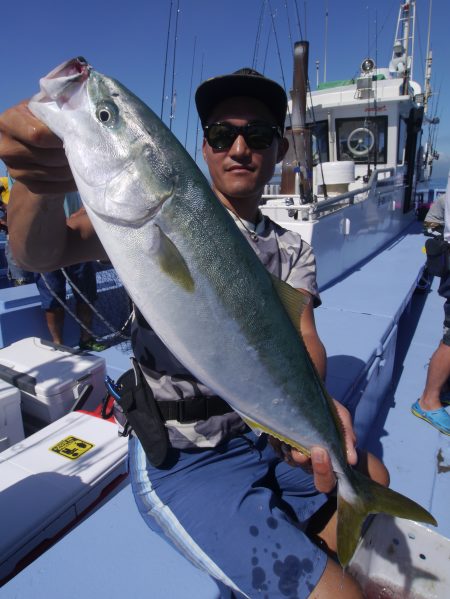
{"x": 244, "y": 82}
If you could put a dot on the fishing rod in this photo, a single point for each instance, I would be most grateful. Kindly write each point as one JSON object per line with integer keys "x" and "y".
{"x": 291, "y": 42}
{"x": 298, "y": 20}
{"x": 267, "y": 50}
{"x": 173, "y": 92}
{"x": 165, "y": 61}
{"x": 198, "y": 118}
{"x": 190, "y": 92}
{"x": 258, "y": 35}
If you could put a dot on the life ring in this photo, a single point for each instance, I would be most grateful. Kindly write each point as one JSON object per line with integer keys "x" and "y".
{"x": 360, "y": 141}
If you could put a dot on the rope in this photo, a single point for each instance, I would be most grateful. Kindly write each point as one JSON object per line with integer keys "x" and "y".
{"x": 115, "y": 333}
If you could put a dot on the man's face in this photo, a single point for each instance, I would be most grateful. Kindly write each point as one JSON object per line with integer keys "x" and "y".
{"x": 240, "y": 172}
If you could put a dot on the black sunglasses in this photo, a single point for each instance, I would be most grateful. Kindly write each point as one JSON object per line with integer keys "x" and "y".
{"x": 258, "y": 136}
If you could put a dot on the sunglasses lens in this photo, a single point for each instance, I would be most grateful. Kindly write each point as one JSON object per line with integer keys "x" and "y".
{"x": 259, "y": 136}
{"x": 221, "y": 136}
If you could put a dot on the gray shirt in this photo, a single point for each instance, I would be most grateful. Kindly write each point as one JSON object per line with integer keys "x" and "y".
{"x": 285, "y": 255}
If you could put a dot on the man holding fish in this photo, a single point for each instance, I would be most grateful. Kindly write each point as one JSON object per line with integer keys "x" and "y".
{"x": 221, "y": 493}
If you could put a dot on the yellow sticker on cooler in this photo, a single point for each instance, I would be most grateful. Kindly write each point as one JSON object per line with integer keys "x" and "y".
{"x": 72, "y": 448}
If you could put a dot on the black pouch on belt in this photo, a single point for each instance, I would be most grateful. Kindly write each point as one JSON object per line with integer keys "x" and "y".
{"x": 437, "y": 256}
{"x": 143, "y": 416}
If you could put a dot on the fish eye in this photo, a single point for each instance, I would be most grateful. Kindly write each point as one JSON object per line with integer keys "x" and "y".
{"x": 107, "y": 113}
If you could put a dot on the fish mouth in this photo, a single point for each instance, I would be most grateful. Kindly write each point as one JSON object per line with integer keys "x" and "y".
{"x": 55, "y": 85}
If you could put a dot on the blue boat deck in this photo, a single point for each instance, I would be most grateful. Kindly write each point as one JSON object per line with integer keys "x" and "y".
{"x": 379, "y": 336}
{"x": 416, "y": 454}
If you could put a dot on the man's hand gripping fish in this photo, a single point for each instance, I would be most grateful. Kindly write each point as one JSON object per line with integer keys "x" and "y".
{"x": 197, "y": 281}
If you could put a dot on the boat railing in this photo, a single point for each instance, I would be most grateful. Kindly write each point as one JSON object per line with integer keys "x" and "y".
{"x": 322, "y": 207}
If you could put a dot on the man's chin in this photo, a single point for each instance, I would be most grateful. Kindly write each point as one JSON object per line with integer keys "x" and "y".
{"x": 243, "y": 192}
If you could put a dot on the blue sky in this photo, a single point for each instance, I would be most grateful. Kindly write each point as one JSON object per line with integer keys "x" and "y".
{"x": 127, "y": 40}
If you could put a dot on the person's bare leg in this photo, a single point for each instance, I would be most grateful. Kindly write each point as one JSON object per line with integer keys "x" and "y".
{"x": 55, "y": 323}
{"x": 84, "y": 313}
{"x": 336, "y": 584}
{"x": 325, "y": 525}
{"x": 437, "y": 376}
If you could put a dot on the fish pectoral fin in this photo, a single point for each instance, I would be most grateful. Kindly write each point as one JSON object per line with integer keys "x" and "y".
{"x": 292, "y": 299}
{"x": 173, "y": 263}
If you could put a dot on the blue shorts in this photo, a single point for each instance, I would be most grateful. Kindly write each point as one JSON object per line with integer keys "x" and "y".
{"x": 83, "y": 277}
{"x": 238, "y": 512}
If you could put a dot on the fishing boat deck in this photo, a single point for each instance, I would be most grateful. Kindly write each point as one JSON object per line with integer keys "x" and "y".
{"x": 379, "y": 335}
{"x": 416, "y": 454}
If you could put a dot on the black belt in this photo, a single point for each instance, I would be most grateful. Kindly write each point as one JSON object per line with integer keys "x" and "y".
{"x": 193, "y": 409}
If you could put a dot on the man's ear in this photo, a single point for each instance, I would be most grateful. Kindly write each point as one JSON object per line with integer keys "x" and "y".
{"x": 283, "y": 147}
{"x": 204, "y": 142}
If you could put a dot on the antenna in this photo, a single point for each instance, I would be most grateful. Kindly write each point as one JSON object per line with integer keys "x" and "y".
{"x": 428, "y": 61}
{"x": 402, "y": 60}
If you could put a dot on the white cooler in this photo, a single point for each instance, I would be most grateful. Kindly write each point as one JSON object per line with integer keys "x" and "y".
{"x": 51, "y": 377}
{"x": 52, "y": 480}
{"x": 11, "y": 425}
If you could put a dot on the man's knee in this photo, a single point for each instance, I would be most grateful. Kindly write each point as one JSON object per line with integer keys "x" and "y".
{"x": 336, "y": 584}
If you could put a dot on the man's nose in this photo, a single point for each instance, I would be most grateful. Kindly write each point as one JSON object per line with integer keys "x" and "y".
{"x": 240, "y": 147}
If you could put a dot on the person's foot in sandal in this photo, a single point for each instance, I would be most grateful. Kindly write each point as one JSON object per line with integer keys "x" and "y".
{"x": 440, "y": 418}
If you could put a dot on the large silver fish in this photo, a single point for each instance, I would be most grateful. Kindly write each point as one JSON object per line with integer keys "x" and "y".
{"x": 196, "y": 279}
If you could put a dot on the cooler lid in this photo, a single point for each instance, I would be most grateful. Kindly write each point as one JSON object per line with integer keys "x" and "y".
{"x": 45, "y": 369}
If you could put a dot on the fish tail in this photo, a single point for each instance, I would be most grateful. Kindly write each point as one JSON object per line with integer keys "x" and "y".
{"x": 360, "y": 497}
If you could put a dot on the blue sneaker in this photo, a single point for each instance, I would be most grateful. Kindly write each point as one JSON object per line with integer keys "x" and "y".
{"x": 440, "y": 419}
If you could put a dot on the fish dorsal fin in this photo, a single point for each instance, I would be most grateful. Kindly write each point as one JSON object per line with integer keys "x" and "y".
{"x": 292, "y": 299}
{"x": 173, "y": 263}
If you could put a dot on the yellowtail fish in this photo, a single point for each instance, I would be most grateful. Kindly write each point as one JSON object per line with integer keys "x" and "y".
{"x": 197, "y": 281}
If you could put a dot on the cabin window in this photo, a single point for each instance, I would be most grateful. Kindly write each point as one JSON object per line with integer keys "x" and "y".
{"x": 402, "y": 134}
{"x": 362, "y": 140}
{"x": 319, "y": 133}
